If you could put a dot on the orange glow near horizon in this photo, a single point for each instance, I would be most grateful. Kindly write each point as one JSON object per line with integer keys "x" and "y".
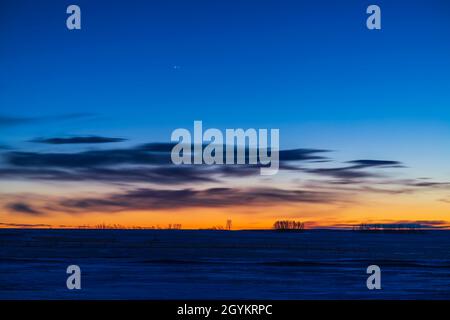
{"x": 313, "y": 215}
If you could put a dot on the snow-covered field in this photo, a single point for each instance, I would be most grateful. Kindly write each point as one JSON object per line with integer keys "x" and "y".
{"x": 179, "y": 264}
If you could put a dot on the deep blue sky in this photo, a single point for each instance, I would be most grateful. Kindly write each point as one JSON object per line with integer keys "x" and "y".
{"x": 312, "y": 69}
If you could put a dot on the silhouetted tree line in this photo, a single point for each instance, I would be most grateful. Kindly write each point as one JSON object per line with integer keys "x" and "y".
{"x": 104, "y": 226}
{"x": 288, "y": 225}
{"x": 387, "y": 227}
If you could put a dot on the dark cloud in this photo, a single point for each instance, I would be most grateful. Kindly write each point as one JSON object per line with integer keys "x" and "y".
{"x": 151, "y": 174}
{"x": 25, "y": 225}
{"x": 78, "y": 140}
{"x": 152, "y": 163}
{"x": 383, "y": 186}
{"x": 154, "y": 174}
{"x": 419, "y": 183}
{"x": 86, "y": 158}
{"x": 303, "y": 155}
{"x": 153, "y": 199}
{"x": 432, "y": 222}
{"x": 346, "y": 174}
{"x": 144, "y": 163}
{"x": 429, "y": 184}
{"x": 155, "y": 153}
{"x": 22, "y": 207}
{"x": 355, "y": 171}
{"x": 359, "y": 164}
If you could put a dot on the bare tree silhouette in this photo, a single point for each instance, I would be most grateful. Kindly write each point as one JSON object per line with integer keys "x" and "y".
{"x": 288, "y": 225}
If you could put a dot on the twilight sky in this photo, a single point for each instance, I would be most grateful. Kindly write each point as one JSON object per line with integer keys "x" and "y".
{"x": 86, "y": 115}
